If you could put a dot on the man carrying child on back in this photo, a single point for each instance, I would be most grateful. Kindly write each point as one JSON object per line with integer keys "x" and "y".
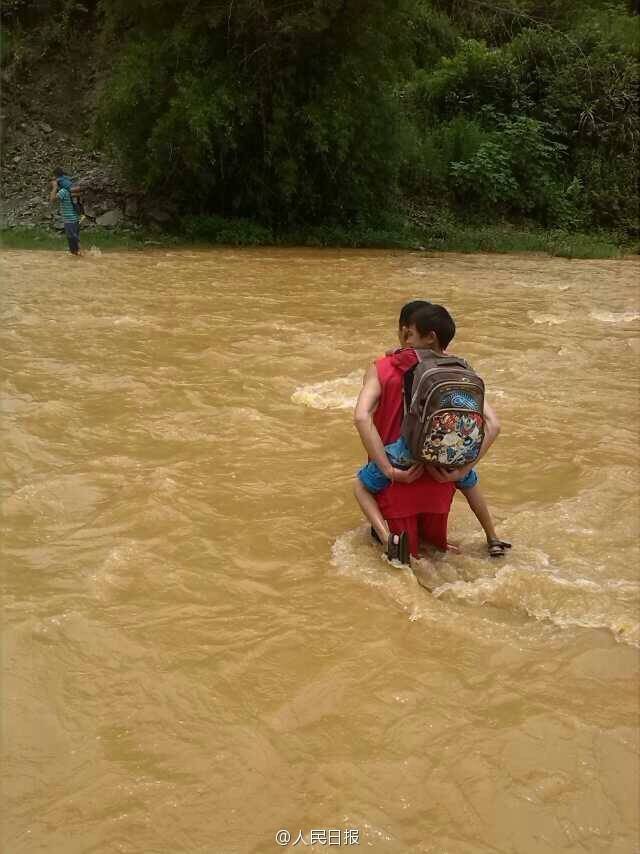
{"x": 398, "y": 495}
{"x": 62, "y": 189}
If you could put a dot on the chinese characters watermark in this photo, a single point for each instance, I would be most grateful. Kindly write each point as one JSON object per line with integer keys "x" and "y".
{"x": 319, "y": 836}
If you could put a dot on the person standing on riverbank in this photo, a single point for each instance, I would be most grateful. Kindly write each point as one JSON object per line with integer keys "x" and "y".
{"x": 68, "y": 211}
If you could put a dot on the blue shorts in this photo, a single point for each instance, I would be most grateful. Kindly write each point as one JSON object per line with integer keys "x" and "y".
{"x": 400, "y": 457}
{"x": 468, "y": 481}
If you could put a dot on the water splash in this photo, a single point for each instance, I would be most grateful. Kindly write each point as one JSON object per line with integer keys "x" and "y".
{"x": 528, "y": 585}
{"x": 615, "y": 316}
{"x": 546, "y": 595}
{"x": 340, "y": 393}
{"x": 550, "y": 319}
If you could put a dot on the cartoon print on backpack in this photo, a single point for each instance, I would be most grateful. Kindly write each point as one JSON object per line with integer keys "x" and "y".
{"x": 444, "y": 422}
{"x": 453, "y": 439}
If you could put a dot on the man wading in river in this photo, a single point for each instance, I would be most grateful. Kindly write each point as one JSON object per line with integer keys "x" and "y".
{"x": 416, "y": 502}
{"x": 69, "y": 212}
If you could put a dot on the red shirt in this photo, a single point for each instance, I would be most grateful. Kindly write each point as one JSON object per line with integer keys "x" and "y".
{"x": 424, "y": 495}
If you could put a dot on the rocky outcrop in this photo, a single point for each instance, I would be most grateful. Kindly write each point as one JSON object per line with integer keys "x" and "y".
{"x": 34, "y": 148}
{"x": 43, "y": 127}
{"x": 110, "y": 218}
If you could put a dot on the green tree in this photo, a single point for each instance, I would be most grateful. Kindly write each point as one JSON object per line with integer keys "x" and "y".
{"x": 283, "y": 112}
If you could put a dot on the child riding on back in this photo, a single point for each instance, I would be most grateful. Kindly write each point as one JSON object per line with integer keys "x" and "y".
{"x": 64, "y": 181}
{"x": 424, "y": 325}
{"x": 63, "y": 190}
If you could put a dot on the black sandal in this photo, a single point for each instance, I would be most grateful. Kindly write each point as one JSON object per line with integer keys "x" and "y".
{"x": 398, "y": 549}
{"x": 498, "y": 548}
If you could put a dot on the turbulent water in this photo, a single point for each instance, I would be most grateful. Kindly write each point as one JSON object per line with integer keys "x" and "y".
{"x": 201, "y": 645}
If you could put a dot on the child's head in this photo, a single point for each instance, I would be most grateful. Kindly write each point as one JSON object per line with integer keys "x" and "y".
{"x": 63, "y": 181}
{"x": 431, "y": 327}
{"x": 406, "y": 313}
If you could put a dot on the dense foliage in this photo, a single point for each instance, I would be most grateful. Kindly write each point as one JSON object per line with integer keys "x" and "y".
{"x": 543, "y": 125}
{"x": 284, "y": 112}
{"x": 291, "y": 112}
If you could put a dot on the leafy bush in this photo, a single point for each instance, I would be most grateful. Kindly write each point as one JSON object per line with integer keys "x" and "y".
{"x": 234, "y": 232}
{"x": 487, "y": 177}
{"x": 549, "y": 121}
{"x": 476, "y": 75}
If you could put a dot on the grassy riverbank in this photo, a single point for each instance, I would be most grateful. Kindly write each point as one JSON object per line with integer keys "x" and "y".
{"x": 102, "y": 238}
{"x": 453, "y": 238}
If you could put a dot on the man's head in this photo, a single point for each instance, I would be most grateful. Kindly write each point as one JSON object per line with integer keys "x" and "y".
{"x": 431, "y": 327}
{"x": 58, "y": 172}
{"x": 404, "y": 321}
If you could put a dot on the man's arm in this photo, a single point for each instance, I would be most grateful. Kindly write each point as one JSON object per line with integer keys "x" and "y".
{"x": 366, "y": 405}
{"x": 54, "y": 191}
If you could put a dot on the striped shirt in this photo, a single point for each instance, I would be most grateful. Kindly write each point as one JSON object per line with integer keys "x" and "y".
{"x": 66, "y": 206}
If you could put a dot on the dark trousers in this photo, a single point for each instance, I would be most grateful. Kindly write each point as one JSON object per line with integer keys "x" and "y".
{"x": 73, "y": 236}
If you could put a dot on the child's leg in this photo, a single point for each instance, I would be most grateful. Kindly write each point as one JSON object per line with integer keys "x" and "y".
{"x": 369, "y": 507}
{"x": 469, "y": 486}
{"x": 477, "y": 503}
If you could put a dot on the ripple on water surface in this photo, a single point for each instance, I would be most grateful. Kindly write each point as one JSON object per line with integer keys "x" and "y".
{"x": 201, "y": 645}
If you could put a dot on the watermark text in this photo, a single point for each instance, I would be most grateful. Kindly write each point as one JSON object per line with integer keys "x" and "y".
{"x": 318, "y": 836}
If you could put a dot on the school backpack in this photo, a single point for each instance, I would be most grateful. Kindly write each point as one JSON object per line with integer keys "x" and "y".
{"x": 76, "y": 203}
{"x": 444, "y": 403}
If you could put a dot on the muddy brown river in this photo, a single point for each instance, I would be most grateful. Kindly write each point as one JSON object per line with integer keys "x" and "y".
{"x": 203, "y": 651}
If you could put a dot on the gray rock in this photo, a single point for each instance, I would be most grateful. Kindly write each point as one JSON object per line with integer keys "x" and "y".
{"x": 112, "y": 217}
{"x": 45, "y": 127}
{"x": 131, "y": 207}
{"x": 159, "y": 215}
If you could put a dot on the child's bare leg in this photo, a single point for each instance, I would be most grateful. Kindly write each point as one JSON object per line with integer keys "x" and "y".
{"x": 477, "y": 503}
{"x": 369, "y": 507}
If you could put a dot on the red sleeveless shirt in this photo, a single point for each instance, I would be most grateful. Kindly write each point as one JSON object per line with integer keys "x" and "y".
{"x": 402, "y": 500}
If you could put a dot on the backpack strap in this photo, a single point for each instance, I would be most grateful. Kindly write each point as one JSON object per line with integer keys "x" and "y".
{"x": 407, "y": 384}
{"x": 75, "y": 202}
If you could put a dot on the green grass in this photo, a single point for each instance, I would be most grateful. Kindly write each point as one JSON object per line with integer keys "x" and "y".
{"x": 103, "y": 238}
{"x": 466, "y": 239}
{"x": 498, "y": 239}
{"x": 450, "y": 237}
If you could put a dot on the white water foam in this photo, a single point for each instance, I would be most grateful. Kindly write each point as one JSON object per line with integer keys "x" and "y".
{"x": 125, "y": 320}
{"x": 545, "y": 595}
{"x": 550, "y": 319}
{"x": 352, "y": 554}
{"x": 340, "y": 393}
{"x": 526, "y": 585}
{"x": 615, "y": 316}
